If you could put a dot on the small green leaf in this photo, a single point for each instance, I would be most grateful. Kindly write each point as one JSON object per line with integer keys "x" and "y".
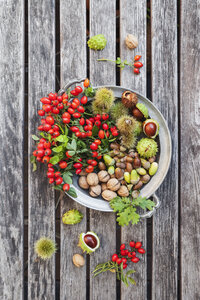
{"x": 33, "y": 159}
{"x": 43, "y": 135}
{"x": 35, "y": 138}
{"x": 73, "y": 144}
{"x": 95, "y": 130}
{"x": 67, "y": 178}
{"x": 58, "y": 149}
{"x": 130, "y": 272}
{"x": 58, "y": 187}
{"x": 71, "y": 153}
{"x": 72, "y": 192}
{"x": 62, "y": 138}
{"x": 34, "y": 167}
{"x": 54, "y": 160}
{"x": 66, "y": 130}
{"x": 118, "y": 60}
{"x": 131, "y": 280}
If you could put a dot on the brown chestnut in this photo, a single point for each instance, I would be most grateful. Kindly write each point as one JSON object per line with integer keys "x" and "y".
{"x": 90, "y": 240}
{"x": 150, "y": 129}
{"x": 137, "y": 113}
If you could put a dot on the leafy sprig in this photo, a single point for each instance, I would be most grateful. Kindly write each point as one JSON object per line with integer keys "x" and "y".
{"x": 115, "y": 268}
{"x": 120, "y": 63}
{"x": 126, "y": 209}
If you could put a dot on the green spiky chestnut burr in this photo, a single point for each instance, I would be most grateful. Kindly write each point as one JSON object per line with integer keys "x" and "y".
{"x": 45, "y": 248}
{"x": 147, "y": 148}
{"x": 72, "y": 217}
{"x": 97, "y": 42}
{"x": 103, "y": 101}
{"x": 140, "y": 111}
{"x": 117, "y": 110}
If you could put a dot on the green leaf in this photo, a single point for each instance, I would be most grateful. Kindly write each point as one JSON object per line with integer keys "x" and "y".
{"x": 71, "y": 153}
{"x": 131, "y": 280}
{"x": 58, "y": 149}
{"x": 72, "y": 192}
{"x": 125, "y": 62}
{"x": 62, "y": 139}
{"x": 73, "y": 144}
{"x": 35, "y": 138}
{"x": 143, "y": 203}
{"x": 118, "y": 60}
{"x": 130, "y": 272}
{"x": 58, "y": 187}
{"x": 66, "y": 130}
{"x": 95, "y": 130}
{"x": 34, "y": 166}
{"x": 43, "y": 135}
{"x": 67, "y": 178}
{"x": 128, "y": 215}
{"x": 54, "y": 160}
{"x": 33, "y": 159}
{"x": 119, "y": 204}
{"x": 89, "y": 92}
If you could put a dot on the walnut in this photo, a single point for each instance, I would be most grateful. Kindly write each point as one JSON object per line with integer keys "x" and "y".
{"x": 83, "y": 182}
{"x": 108, "y": 195}
{"x": 95, "y": 191}
{"x": 113, "y": 184}
{"x": 131, "y": 41}
{"x": 92, "y": 179}
{"x": 103, "y": 176}
{"x": 103, "y": 186}
{"x": 123, "y": 191}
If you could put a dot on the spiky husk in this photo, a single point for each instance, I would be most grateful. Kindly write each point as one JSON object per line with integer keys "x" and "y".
{"x": 45, "y": 248}
{"x": 147, "y": 147}
{"x": 85, "y": 247}
{"x": 72, "y": 217}
{"x": 129, "y": 141}
{"x": 138, "y": 128}
{"x": 143, "y": 109}
{"x": 103, "y": 101}
{"x": 126, "y": 124}
{"x": 149, "y": 121}
{"x": 97, "y": 42}
{"x": 117, "y": 110}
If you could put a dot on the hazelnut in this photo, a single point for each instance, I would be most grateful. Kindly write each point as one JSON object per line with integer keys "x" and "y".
{"x": 103, "y": 176}
{"x": 108, "y": 195}
{"x": 136, "y": 163}
{"x": 119, "y": 173}
{"x": 138, "y": 185}
{"x": 95, "y": 191}
{"x": 131, "y": 41}
{"x": 83, "y": 182}
{"x": 101, "y": 166}
{"x": 103, "y": 186}
{"x": 78, "y": 260}
{"x": 92, "y": 179}
{"x": 123, "y": 191}
{"x": 113, "y": 184}
{"x": 129, "y": 167}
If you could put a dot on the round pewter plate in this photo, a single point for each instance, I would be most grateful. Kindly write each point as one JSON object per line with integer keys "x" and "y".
{"x": 149, "y": 189}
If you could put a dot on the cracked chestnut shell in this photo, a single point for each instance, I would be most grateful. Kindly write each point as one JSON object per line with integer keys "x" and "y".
{"x": 129, "y": 99}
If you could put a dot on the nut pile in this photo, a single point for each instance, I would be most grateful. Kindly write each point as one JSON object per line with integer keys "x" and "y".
{"x": 122, "y": 172}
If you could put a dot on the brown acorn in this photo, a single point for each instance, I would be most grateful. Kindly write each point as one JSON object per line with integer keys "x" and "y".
{"x": 129, "y": 99}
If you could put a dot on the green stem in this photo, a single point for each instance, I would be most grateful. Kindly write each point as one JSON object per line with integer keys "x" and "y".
{"x": 104, "y": 59}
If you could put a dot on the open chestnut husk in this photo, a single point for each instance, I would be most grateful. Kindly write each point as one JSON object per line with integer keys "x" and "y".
{"x": 151, "y": 128}
{"x": 129, "y": 99}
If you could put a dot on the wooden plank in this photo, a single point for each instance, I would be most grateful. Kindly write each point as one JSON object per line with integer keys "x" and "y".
{"x": 190, "y": 154}
{"x": 164, "y": 94}
{"x": 41, "y": 275}
{"x": 11, "y": 148}
{"x": 102, "y": 20}
{"x": 133, "y": 20}
{"x": 73, "y": 66}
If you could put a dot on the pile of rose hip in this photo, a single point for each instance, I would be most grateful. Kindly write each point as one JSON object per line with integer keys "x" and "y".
{"x": 125, "y": 255}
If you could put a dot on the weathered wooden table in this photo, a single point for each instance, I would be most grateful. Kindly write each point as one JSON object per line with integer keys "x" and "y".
{"x": 43, "y": 46}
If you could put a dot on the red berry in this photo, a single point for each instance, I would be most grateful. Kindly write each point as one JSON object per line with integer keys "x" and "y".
{"x": 55, "y": 110}
{"x": 57, "y": 174}
{"x": 125, "y": 266}
{"x": 141, "y": 250}
{"x": 101, "y": 134}
{"x": 40, "y": 146}
{"x": 52, "y": 96}
{"x": 84, "y": 100}
{"x": 78, "y": 89}
{"x": 47, "y": 144}
{"x": 105, "y": 116}
{"x": 40, "y": 153}
{"x": 66, "y": 120}
{"x": 55, "y": 102}
{"x": 78, "y": 171}
{"x": 34, "y": 153}
{"x": 105, "y": 126}
{"x": 50, "y": 120}
{"x": 138, "y": 245}
{"x": 50, "y": 165}
{"x": 136, "y": 71}
{"x": 119, "y": 261}
{"x": 86, "y": 83}
{"x": 137, "y": 57}
{"x": 59, "y": 180}
{"x": 138, "y": 64}
{"x": 74, "y": 129}
{"x": 135, "y": 259}
{"x": 83, "y": 135}
{"x": 42, "y": 140}
{"x": 74, "y": 93}
{"x": 59, "y": 98}
{"x": 66, "y": 115}
{"x": 67, "y": 154}
{"x": 98, "y": 123}
{"x": 63, "y": 165}
{"x": 77, "y": 165}
{"x": 122, "y": 247}
{"x": 124, "y": 260}
{"x": 78, "y": 134}
{"x": 46, "y": 127}
{"x": 66, "y": 187}
{"x": 51, "y": 180}
{"x": 94, "y": 154}
{"x": 47, "y": 152}
{"x": 71, "y": 110}
{"x": 60, "y": 106}
{"x": 126, "y": 252}
{"x": 115, "y": 133}
{"x": 64, "y": 96}
{"x": 132, "y": 244}
{"x": 45, "y": 100}
{"x": 39, "y": 158}
{"x": 123, "y": 252}
{"x": 133, "y": 253}
{"x": 56, "y": 134}
{"x": 114, "y": 257}
{"x": 88, "y": 122}
{"x": 46, "y": 107}
{"x": 46, "y": 159}
{"x": 129, "y": 255}
{"x": 107, "y": 134}
{"x": 76, "y": 115}
{"x": 82, "y": 121}
{"x": 93, "y": 146}
{"x": 81, "y": 109}
{"x": 98, "y": 142}
{"x": 50, "y": 174}
{"x": 91, "y": 120}
{"x": 93, "y": 162}
{"x": 41, "y": 112}
{"x": 89, "y": 169}
{"x": 97, "y": 117}
{"x": 99, "y": 157}
{"x": 74, "y": 105}
{"x": 55, "y": 128}
{"x": 50, "y": 169}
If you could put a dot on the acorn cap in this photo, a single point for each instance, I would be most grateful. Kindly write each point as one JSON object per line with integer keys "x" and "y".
{"x": 143, "y": 109}
{"x": 151, "y": 121}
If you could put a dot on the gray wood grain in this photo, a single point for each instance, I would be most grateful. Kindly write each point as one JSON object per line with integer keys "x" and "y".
{"x": 41, "y": 274}
{"x": 164, "y": 94}
{"x": 133, "y": 21}
{"x": 11, "y": 148}
{"x": 73, "y": 66}
{"x": 102, "y": 20}
{"x": 190, "y": 149}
